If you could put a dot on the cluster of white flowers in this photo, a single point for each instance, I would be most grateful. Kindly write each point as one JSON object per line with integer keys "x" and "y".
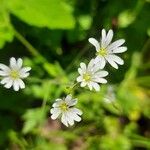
{"x": 90, "y": 75}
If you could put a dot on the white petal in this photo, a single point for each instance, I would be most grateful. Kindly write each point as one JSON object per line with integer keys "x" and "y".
{"x": 54, "y": 110}
{"x": 64, "y": 119}
{"x": 24, "y": 75}
{"x": 13, "y": 63}
{"x": 117, "y": 59}
{"x": 101, "y": 74}
{"x": 101, "y": 61}
{"x": 8, "y": 84}
{"x": 57, "y": 103}
{"x": 19, "y": 62}
{"x": 83, "y": 66}
{"x": 75, "y": 116}
{"x": 80, "y": 71}
{"x": 97, "y": 59}
{"x": 77, "y": 111}
{"x": 4, "y": 73}
{"x": 72, "y": 102}
{"x": 83, "y": 84}
{"x": 70, "y": 121}
{"x": 96, "y": 67}
{"x": 55, "y": 113}
{"x": 16, "y": 85}
{"x": 99, "y": 65}
{"x": 91, "y": 64}
{"x": 69, "y": 117}
{"x": 25, "y": 69}
{"x": 94, "y": 42}
{"x": 5, "y": 80}
{"x": 116, "y": 44}
{"x": 103, "y": 39}
{"x": 69, "y": 101}
{"x": 120, "y": 49}
{"x": 68, "y": 98}
{"x": 96, "y": 86}
{"x": 111, "y": 62}
{"x": 4, "y": 68}
{"x": 108, "y": 38}
{"x": 90, "y": 85}
{"x": 58, "y": 99}
{"x": 79, "y": 79}
{"x": 24, "y": 72}
{"x": 100, "y": 80}
{"x": 21, "y": 84}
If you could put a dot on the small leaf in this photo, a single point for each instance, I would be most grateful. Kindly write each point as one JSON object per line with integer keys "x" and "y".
{"x": 126, "y": 18}
{"x": 33, "y": 117}
{"x": 85, "y": 22}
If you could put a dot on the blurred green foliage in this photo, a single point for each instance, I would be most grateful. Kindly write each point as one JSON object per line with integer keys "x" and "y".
{"x": 51, "y": 36}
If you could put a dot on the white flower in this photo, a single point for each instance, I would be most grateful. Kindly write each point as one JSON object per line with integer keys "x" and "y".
{"x": 65, "y": 108}
{"x": 106, "y": 50}
{"x": 91, "y": 75}
{"x": 110, "y": 95}
{"x": 13, "y": 74}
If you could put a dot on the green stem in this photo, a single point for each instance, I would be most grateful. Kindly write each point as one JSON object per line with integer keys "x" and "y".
{"x": 34, "y": 52}
{"x": 55, "y": 81}
{"x": 145, "y": 47}
{"x": 46, "y": 89}
{"x": 118, "y": 108}
{"x": 30, "y": 48}
{"x": 140, "y": 140}
{"x": 74, "y": 85}
{"x": 70, "y": 88}
{"x": 141, "y": 143}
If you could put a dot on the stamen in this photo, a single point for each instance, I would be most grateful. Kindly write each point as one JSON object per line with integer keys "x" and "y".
{"x": 14, "y": 74}
{"x": 86, "y": 77}
{"x": 64, "y": 106}
{"x": 102, "y": 52}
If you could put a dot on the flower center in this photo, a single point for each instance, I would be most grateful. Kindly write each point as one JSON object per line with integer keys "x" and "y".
{"x": 14, "y": 74}
{"x": 64, "y": 106}
{"x": 102, "y": 52}
{"x": 86, "y": 77}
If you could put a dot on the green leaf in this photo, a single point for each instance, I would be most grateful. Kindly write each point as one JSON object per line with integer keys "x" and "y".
{"x": 6, "y": 31}
{"x": 85, "y": 21}
{"x": 126, "y": 18}
{"x": 54, "y": 14}
{"x": 33, "y": 117}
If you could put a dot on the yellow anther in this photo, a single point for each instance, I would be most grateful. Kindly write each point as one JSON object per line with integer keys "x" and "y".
{"x": 63, "y": 106}
{"x": 14, "y": 74}
{"x": 86, "y": 77}
{"x": 102, "y": 52}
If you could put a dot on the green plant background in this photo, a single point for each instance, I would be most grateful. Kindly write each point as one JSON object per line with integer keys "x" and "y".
{"x": 52, "y": 37}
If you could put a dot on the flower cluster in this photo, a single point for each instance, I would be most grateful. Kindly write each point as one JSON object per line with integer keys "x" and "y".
{"x": 90, "y": 75}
